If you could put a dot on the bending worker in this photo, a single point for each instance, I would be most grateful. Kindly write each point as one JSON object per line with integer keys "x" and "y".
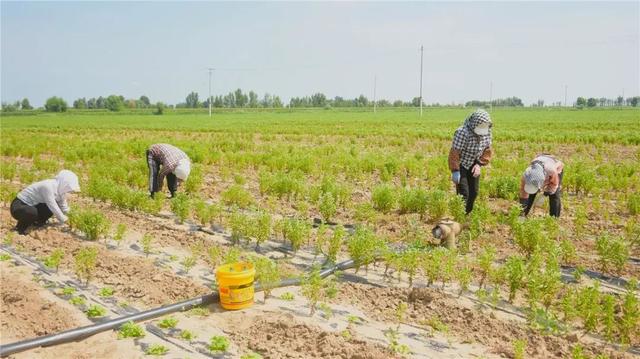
{"x": 167, "y": 161}
{"x": 543, "y": 174}
{"x": 471, "y": 149}
{"x": 35, "y": 204}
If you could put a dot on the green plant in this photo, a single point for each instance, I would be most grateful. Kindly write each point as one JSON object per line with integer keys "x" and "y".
{"x": 85, "y": 262}
{"x": 180, "y": 206}
{"x": 335, "y": 243}
{"x": 383, "y": 198}
{"x": 457, "y": 208}
{"x": 316, "y": 289}
{"x": 168, "y": 323}
{"x": 95, "y": 311}
{"x": 106, "y": 292}
{"x": 413, "y": 201}
{"x": 629, "y": 322}
{"x": 608, "y": 316}
{"x": 188, "y": 263}
{"x": 198, "y": 312}
{"x": 156, "y": 349}
{"x": 130, "y": 330}
{"x": 484, "y": 263}
{"x": 567, "y": 251}
{"x": 409, "y": 263}
{"x": 77, "y": 301}
{"x": 187, "y": 335}
{"x": 633, "y": 204}
{"x": 437, "y": 204}
{"x": 54, "y": 259}
{"x": 90, "y": 222}
{"x": 267, "y": 274}
{"x": 580, "y": 221}
{"x": 232, "y": 256}
{"x": 296, "y": 231}
{"x": 262, "y": 228}
{"x": 364, "y": 246}
{"x": 5, "y": 257}
{"x": 327, "y": 206}
{"x": 288, "y": 296}
{"x": 68, "y": 291}
{"x": 464, "y": 276}
{"x": 588, "y": 306}
{"x": 121, "y": 229}
{"x": 514, "y": 272}
{"x": 218, "y": 343}
{"x": 237, "y": 196}
{"x": 519, "y": 349}
{"x": 613, "y": 252}
{"x": 203, "y": 212}
{"x": 146, "y": 243}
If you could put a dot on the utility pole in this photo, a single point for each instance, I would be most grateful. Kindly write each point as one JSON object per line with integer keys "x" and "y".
{"x": 421, "y": 58}
{"x": 565, "y": 95}
{"x": 210, "y": 71}
{"x": 375, "y": 78}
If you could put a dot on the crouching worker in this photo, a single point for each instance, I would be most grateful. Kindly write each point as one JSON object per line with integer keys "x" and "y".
{"x": 543, "y": 174}
{"x": 471, "y": 149}
{"x": 35, "y": 204}
{"x": 446, "y": 231}
{"x": 167, "y": 161}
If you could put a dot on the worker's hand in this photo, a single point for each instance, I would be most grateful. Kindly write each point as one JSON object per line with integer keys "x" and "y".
{"x": 455, "y": 177}
{"x": 475, "y": 170}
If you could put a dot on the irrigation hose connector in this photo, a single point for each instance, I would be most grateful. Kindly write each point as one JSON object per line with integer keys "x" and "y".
{"x": 446, "y": 231}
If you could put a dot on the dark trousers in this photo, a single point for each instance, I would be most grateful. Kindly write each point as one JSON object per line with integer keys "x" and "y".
{"x": 468, "y": 188}
{"x": 154, "y": 169}
{"x": 555, "y": 205}
{"x": 28, "y": 215}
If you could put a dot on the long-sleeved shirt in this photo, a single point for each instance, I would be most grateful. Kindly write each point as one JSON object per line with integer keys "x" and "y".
{"x": 46, "y": 192}
{"x": 168, "y": 156}
{"x": 552, "y": 169}
{"x": 469, "y": 148}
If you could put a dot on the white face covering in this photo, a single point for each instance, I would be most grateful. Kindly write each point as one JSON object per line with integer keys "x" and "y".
{"x": 482, "y": 129}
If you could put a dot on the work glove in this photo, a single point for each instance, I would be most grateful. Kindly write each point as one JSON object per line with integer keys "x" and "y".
{"x": 455, "y": 177}
{"x": 475, "y": 170}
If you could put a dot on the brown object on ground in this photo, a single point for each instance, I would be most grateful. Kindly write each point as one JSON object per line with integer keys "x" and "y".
{"x": 464, "y": 323}
{"x": 280, "y": 336}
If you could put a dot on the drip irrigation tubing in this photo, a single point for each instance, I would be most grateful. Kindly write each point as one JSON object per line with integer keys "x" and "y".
{"x": 76, "y": 334}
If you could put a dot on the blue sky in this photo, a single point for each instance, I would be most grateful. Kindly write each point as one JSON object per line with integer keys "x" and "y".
{"x": 162, "y": 49}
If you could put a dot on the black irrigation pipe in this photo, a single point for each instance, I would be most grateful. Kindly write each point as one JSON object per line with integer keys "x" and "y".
{"x": 73, "y": 335}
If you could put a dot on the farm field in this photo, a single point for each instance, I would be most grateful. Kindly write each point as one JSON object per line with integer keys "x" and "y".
{"x": 293, "y": 191}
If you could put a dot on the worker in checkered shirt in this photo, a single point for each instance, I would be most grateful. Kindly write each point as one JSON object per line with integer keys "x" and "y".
{"x": 167, "y": 161}
{"x": 470, "y": 151}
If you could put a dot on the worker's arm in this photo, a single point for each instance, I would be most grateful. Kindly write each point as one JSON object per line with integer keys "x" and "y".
{"x": 552, "y": 182}
{"x": 64, "y": 206}
{"x": 50, "y": 201}
{"x": 525, "y": 201}
{"x": 454, "y": 160}
{"x": 484, "y": 159}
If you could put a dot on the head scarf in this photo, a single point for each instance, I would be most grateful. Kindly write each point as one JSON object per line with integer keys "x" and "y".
{"x": 67, "y": 182}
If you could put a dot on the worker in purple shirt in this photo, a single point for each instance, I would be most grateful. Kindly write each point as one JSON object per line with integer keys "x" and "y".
{"x": 168, "y": 161}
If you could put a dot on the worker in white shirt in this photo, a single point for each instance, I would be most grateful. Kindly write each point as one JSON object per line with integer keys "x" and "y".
{"x": 35, "y": 204}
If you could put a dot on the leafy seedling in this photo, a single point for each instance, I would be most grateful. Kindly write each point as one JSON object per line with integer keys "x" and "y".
{"x": 54, "y": 259}
{"x": 168, "y": 323}
{"x": 156, "y": 349}
{"x": 106, "y": 292}
{"x": 4, "y": 257}
{"x": 288, "y": 296}
{"x": 121, "y": 229}
{"x": 187, "y": 335}
{"x": 95, "y": 311}
{"x": 251, "y": 356}
{"x": 218, "y": 344}
{"x": 85, "y": 262}
{"x": 188, "y": 263}
{"x": 68, "y": 291}
{"x": 77, "y": 301}
{"x": 131, "y": 330}
{"x": 146, "y": 243}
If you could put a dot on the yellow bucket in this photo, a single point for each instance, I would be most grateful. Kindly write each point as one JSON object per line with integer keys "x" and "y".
{"x": 235, "y": 285}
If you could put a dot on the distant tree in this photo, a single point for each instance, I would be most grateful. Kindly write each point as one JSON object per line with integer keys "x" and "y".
{"x": 218, "y": 101}
{"x": 9, "y": 107}
{"x": 159, "y": 108}
{"x": 619, "y": 101}
{"x": 91, "y": 103}
{"x": 132, "y": 103}
{"x": 415, "y": 102}
{"x": 267, "y": 101}
{"x": 144, "y": 101}
{"x": 277, "y": 102}
{"x": 591, "y": 102}
{"x": 80, "y": 103}
{"x": 253, "y": 99}
{"x": 241, "y": 99}
{"x": 55, "y": 104}
{"x": 192, "y": 100}
{"x": 383, "y": 103}
{"x": 229, "y": 100}
{"x": 581, "y": 102}
{"x": 361, "y": 101}
{"x": 318, "y": 100}
{"x": 114, "y": 103}
{"x": 100, "y": 103}
{"x": 26, "y": 105}
{"x": 635, "y": 100}
{"x": 397, "y": 103}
